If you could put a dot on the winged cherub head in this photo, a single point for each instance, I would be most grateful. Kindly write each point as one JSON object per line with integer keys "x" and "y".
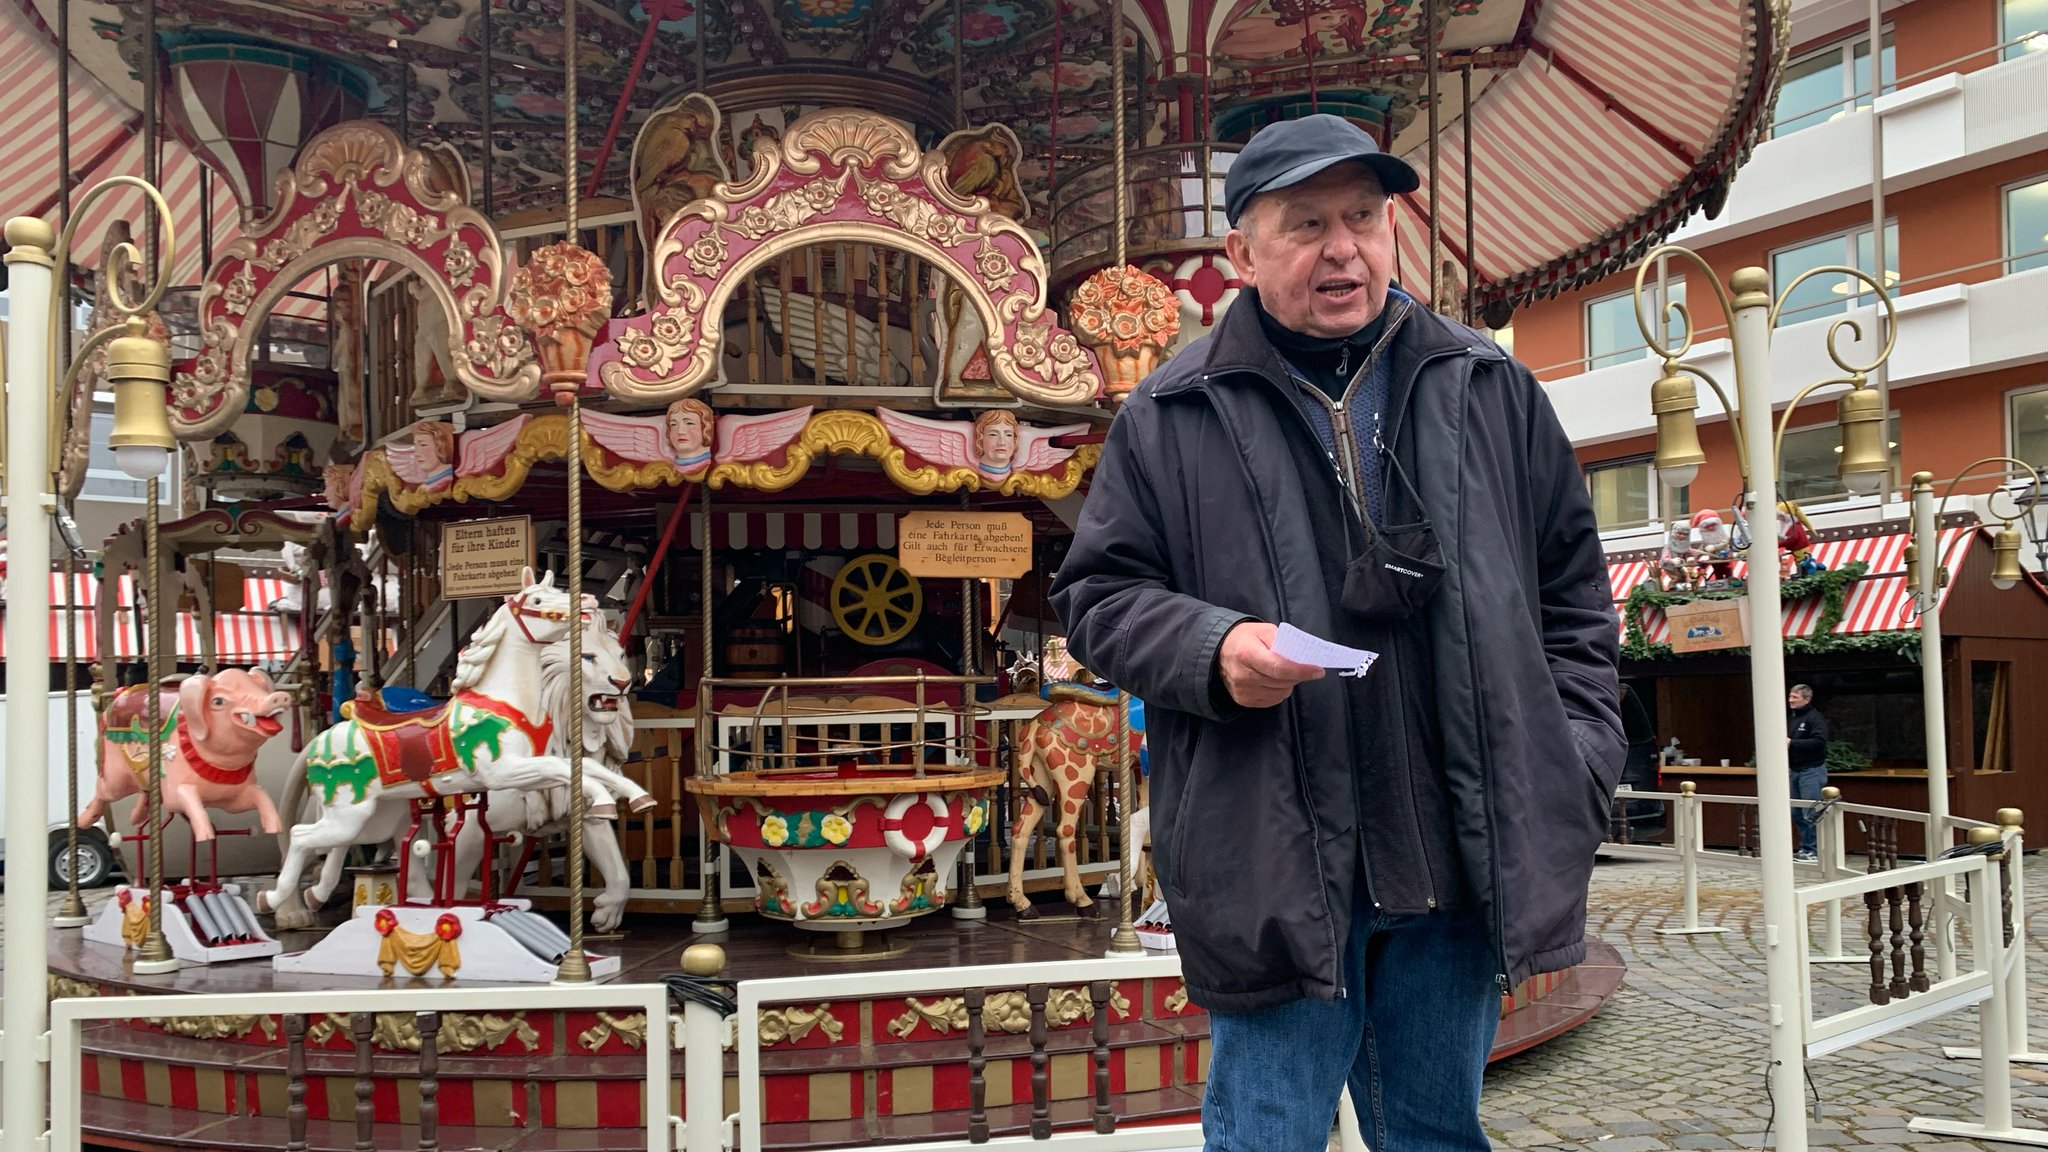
{"x": 995, "y": 440}
{"x": 433, "y": 445}
{"x": 689, "y": 430}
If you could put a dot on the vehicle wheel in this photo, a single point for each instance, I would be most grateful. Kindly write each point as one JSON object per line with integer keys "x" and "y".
{"x": 94, "y": 862}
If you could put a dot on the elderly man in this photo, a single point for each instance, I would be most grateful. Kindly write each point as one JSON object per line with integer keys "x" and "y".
{"x": 1358, "y": 867}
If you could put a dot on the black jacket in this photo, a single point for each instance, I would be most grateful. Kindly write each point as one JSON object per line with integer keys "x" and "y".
{"x": 1213, "y": 503}
{"x": 1809, "y": 731}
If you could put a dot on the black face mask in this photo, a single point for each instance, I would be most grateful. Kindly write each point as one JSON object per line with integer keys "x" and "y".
{"x": 1397, "y": 575}
{"x": 1401, "y": 567}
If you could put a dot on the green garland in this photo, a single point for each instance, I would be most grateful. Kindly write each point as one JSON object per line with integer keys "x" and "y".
{"x": 1832, "y": 586}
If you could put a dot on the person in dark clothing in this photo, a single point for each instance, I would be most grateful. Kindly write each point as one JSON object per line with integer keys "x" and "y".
{"x": 1809, "y": 758}
{"x": 1357, "y": 867}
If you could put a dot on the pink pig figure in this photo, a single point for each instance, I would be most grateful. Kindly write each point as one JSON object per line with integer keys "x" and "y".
{"x": 217, "y": 723}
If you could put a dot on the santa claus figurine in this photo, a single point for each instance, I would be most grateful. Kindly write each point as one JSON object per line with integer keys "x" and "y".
{"x": 1710, "y": 539}
{"x": 1795, "y": 545}
{"x": 1678, "y": 563}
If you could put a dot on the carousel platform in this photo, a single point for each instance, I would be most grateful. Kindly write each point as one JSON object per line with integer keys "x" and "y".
{"x": 843, "y": 1073}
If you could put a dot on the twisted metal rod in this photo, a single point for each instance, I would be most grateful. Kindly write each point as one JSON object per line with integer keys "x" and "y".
{"x": 1116, "y": 79}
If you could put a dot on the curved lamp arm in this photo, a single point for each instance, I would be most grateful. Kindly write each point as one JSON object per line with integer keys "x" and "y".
{"x": 1673, "y": 355}
{"x": 1798, "y": 398}
{"x": 1855, "y": 327}
{"x": 132, "y": 311}
{"x": 2011, "y": 465}
{"x": 2006, "y": 549}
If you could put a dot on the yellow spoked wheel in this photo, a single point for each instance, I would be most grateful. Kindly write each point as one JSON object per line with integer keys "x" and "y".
{"x": 874, "y": 601}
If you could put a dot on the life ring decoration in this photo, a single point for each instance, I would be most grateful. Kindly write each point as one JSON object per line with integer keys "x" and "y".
{"x": 1206, "y": 283}
{"x": 874, "y": 601}
{"x": 914, "y": 824}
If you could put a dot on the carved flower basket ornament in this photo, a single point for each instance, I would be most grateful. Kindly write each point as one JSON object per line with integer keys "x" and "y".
{"x": 562, "y": 295}
{"x": 1130, "y": 318}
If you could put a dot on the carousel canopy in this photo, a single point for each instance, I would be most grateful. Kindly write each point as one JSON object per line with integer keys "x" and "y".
{"x": 1660, "y": 99}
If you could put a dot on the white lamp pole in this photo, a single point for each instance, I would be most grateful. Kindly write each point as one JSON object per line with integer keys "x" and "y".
{"x": 30, "y": 505}
{"x": 137, "y": 368}
{"x": 1751, "y": 337}
{"x": 1934, "y": 706}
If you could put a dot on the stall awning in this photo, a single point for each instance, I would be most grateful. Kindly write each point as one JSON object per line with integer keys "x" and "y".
{"x": 1879, "y": 602}
{"x": 256, "y": 633}
{"x": 239, "y": 637}
{"x": 258, "y": 592}
{"x": 848, "y": 531}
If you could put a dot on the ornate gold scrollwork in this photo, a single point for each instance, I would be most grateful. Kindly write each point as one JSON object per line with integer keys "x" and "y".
{"x": 356, "y": 192}
{"x": 836, "y": 431}
{"x": 460, "y": 1031}
{"x": 791, "y": 1024}
{"x": 797, "y": 196}
{"x": 1004, "y": 1011}
{"x": 630, "y": 1028}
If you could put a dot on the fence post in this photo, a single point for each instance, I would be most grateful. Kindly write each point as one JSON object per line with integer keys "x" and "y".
{"x": 2009, "y": 820}
{"x": 1987, "y": 939}
{"x": 703, "y": 1060}
{"x": 1943, "y": 900}
{"x": 1834, "y": 865}
{"x": 1690, "y": 838}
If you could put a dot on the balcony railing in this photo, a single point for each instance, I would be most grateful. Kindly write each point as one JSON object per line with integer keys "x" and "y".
{"x": 1175, "y": 204}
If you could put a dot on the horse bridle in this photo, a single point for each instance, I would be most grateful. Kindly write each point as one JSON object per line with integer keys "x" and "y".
{"x": 520, "y": 613}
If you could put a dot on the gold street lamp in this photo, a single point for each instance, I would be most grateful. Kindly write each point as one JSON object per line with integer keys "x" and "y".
{"x": 36, "y": 397}
{"x": 1751, "y": 316}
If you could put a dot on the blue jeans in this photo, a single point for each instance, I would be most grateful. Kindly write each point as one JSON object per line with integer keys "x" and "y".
{"x": 1411, "y": 1036}
{"x": 1806, "y": 785}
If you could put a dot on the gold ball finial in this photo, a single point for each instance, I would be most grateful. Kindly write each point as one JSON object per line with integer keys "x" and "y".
{"x": 1687, "y": 787}
{"x": 703, "y": 960}
{"x": 1923, "y": 480}
{"x": 2011, "y": 817}
{"x": 1985, "y": 836}
{"x": 30, "y": 232}
{"x": 1750, "y": 279}
{"x": 1831, "y": 794}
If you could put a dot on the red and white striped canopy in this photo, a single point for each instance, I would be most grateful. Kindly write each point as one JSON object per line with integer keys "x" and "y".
{"x": 848, "y": 531}
{"x": 1596, "y": 144}
{"x": 106, "y": 140}
{"x": 1880, "y": 602}
{"x": 258, "y": 592}
{"x": 239, "y": 637}
{"x": 255, "y": 633}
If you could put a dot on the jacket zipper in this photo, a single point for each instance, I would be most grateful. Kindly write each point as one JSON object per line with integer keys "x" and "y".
{"x": 1347, "y": 463}
{"x": 1308, "y": 801}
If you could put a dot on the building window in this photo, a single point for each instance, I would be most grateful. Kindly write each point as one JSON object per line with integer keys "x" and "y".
{"x": 1831, "y": 82}
{"x": 1828, "y": 295}
{"x": 1612, "y": 334}
{"x": 2025, "y": 21}
{"x": 2026, "y": 224}
{"x": 104, "y": 479}
{"x": 2028, "y": 414}
{"x": 1806, "y": 464}
{"x": 1626, "y": 495}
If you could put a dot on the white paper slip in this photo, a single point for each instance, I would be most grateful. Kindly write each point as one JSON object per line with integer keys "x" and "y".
{"x": 1303, "y": 648}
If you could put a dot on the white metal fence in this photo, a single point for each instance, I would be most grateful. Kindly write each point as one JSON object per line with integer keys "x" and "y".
{"x": 1983, "y": 893}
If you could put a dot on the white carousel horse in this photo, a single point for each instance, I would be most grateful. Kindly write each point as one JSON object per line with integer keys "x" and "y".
{"x": 607, "y": 735}
{"x": 492, "y": 735}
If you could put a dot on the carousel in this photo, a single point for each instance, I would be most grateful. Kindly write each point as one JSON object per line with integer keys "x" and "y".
{"x": 672, "y": 414}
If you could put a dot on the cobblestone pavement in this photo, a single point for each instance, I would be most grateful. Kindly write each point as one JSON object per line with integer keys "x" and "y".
{"x": 1676, "y": 1059}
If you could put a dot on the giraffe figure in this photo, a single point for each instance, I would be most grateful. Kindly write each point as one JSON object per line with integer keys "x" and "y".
{"x": 1057, "y": 754}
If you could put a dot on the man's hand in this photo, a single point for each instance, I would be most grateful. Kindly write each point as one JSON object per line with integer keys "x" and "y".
{"x": 1255, "y": 676}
